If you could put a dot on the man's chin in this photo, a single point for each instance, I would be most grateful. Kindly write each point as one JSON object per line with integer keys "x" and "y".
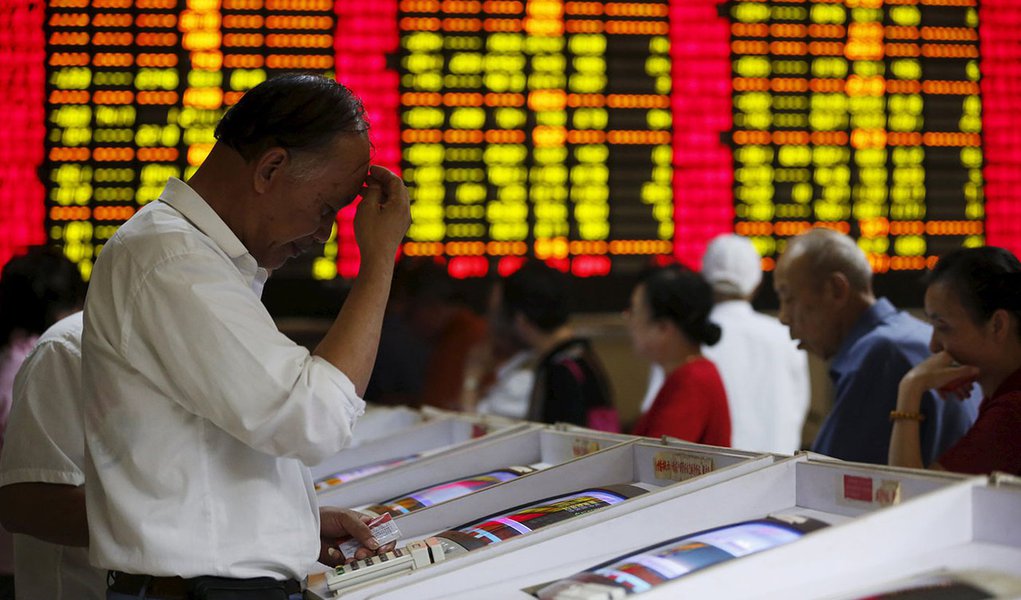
{"x": 811, "y": 350}
{"x": 273, "y": 263}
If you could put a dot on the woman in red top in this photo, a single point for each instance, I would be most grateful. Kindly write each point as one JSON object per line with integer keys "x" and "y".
{"x": 973, "y": 299}
{"x": 669, "y": 322}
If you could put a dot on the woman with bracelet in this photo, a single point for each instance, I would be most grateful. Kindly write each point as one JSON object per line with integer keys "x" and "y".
{"x": 973, "y": 299}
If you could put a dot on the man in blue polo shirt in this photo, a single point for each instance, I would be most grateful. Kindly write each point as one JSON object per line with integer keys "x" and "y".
{"x": 824, "y": 283}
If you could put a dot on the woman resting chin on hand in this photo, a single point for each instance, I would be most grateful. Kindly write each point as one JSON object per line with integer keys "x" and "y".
{"x": 973, "y": 300}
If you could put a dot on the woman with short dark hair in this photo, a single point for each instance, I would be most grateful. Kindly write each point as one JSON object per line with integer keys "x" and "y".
{"x": 973, "y": 299}
{"x": 669, "y": 322}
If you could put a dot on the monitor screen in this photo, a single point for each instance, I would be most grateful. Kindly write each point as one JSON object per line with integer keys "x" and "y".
{"x": 347, "y": 475}
{"x": 428, "y": 496}
{"x": 529, "y": 517}
{"x": 645, "y": 569}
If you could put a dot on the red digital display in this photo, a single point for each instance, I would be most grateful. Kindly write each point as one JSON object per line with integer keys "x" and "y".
{"x": 595, "y": 135}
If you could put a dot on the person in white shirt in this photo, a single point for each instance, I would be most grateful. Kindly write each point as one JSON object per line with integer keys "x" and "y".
{"x": 201, "y": 417}
{"x": 499, "y": 372}
{"x": 764, "y": 373}
{"x": 41, "y": 472}
{"x": 509, "y": 393}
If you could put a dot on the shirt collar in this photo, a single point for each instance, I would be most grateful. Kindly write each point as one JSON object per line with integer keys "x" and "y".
{"x": 881, "y": 310}
{"x": 189, "y": 203}
{"x": 185, "y": 200}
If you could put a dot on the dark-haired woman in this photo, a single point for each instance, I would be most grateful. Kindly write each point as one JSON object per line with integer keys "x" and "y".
{"x": 669, "y": 322}
{"x": 973, "y": 298}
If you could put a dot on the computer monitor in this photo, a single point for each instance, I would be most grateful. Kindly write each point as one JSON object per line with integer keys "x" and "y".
{"x": 330, "y": 481}
{"x": 649, "y": 567}
{"x": 526, "y": 518}
{"x": 428, "y": 496}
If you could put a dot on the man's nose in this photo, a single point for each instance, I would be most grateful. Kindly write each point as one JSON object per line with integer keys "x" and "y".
{"x": 935, "y": 345}
{"x": 783, "y": 316}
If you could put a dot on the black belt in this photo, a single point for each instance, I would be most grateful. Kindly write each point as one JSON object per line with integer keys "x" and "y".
{"x": 179, "y": 588}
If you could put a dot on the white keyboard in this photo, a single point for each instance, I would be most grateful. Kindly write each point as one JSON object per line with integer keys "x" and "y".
{"x": 401, "y": 560}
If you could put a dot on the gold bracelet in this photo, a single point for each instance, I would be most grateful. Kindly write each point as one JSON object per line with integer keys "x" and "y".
{"x": 900, "y": 415}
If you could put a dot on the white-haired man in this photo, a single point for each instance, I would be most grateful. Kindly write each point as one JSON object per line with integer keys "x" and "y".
{"x": 825, "y": 286}
{"x": 763, "y": 371}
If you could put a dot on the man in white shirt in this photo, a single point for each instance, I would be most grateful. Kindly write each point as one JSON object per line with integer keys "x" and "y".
{"x": 201, "y": 417}
{"x": 764, "y": 373}
{"x": 41, "y": 472}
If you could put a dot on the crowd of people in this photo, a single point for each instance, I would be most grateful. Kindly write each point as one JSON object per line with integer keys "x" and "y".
{"x": 147, "y": 434}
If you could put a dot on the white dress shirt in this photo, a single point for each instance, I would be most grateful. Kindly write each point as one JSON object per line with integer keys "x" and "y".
{"x": 200, "y": 416}
{"x": 512, "y": 389}
{"x": 765, "y": 376}
{"x": 45, "y": 445}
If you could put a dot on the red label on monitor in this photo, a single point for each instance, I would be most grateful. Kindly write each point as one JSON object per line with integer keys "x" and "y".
{"x": 679, "y": 467}
{"x": 858, "y": 488}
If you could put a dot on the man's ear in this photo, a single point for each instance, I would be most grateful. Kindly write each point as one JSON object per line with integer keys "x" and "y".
{"x": 268, "y": 168}
{"x": 837, "y": 287}
{"x": 1000, "y": 323}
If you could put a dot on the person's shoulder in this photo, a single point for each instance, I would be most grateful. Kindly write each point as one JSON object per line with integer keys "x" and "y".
{"x": 573, "y": 353}
{"x": 1008, "y": 402}
{"x": 900, "y": 324}
{"x": 700, "y": 372}
{"x": 756, "y": 330}
{"x": 899, "y": 335}
{"x": 880, "y": 348}
{"x": 66, "y": 332}
{"x": 150, "y": 240}
{"x": 157, "y": 227}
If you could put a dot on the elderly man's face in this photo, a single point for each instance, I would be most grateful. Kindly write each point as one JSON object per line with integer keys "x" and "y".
{"x": 302, "y": 208}
{"x": 807, "y": 306}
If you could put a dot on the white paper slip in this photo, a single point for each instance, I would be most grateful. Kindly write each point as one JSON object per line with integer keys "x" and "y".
{"x": 383, "y": 529}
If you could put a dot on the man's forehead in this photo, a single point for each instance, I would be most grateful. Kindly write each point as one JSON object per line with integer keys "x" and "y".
{"x": 793, "y": 271}
{"x": 356, "y": 146}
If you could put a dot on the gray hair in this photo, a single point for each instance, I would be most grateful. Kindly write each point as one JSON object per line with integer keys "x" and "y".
{"x": 827, "y": 252}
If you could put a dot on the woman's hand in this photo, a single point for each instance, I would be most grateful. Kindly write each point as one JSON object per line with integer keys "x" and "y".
{"x": 940, "y": 372}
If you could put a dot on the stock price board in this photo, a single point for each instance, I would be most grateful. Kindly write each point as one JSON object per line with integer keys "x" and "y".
{"x": 598, "y": 136}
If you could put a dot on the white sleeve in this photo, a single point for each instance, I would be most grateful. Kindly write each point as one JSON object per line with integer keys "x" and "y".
{"x": 202, "y": 335}
{"x": 44, "y": 438}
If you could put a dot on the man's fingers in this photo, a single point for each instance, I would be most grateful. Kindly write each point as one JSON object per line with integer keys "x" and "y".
{"x": 387, "y": 180}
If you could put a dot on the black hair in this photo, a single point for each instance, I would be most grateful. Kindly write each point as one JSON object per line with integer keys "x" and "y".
{"x": 540, "y": 293}
{"x": 296, "y": 111}
{"x": 685, "y": 298}
{"x": 985, "y": 280}
{"x": 36, "y": 290}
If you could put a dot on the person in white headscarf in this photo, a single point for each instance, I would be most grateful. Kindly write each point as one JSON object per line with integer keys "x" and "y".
{"x": 764, "y": 373}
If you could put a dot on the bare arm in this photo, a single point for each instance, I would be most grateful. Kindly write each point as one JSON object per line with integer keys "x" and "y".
{"x": 51, "y": 512}
{"x": 936, "y": 371}
{"x": 381, "y": 221}
{"x": 905, "y": 440}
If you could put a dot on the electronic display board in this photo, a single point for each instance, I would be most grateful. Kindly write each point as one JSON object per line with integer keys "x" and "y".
{"x": 863, "y": 116}
{"x": 595, "y": 135}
